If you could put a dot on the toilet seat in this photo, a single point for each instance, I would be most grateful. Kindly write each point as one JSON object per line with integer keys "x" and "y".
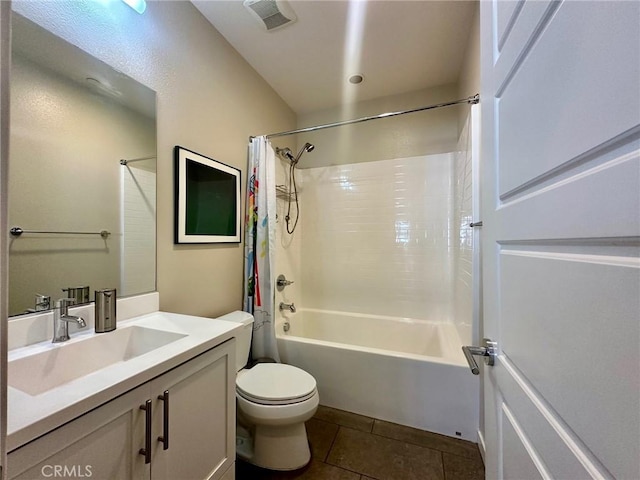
{"x": 275, "y": 384}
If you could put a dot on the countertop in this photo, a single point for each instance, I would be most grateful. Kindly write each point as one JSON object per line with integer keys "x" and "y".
{"x": 30, "y": 416}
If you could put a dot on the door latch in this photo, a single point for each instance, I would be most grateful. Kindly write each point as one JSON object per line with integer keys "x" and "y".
{"x": 489, "y": 351}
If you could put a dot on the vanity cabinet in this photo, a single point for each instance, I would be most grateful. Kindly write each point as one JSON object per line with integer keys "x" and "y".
{"x": 191, "y": 434}
{"x": 201, "y": 417}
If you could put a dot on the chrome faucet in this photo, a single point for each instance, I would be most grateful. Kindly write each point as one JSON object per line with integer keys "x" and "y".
{"x": 61, "y": 320}
{"x": 288, "y": 306}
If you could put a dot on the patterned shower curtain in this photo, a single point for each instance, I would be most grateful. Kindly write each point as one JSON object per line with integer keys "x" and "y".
{"x": 259, "y": 247}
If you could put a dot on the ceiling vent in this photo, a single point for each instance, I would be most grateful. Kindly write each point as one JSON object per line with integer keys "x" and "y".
{"x": 272, "y": 14}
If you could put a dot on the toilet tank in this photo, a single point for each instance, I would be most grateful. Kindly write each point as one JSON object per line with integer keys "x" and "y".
{"x": 243, "y": 340}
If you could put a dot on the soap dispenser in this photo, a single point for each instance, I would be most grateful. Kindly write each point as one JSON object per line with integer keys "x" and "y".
{"x": 105, "y": 310}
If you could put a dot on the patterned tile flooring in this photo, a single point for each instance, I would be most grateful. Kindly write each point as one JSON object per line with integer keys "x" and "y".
{"x": 346, "y": 446}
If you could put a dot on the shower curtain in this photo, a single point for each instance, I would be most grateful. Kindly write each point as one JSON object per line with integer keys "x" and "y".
{"x": 259, "y": 246}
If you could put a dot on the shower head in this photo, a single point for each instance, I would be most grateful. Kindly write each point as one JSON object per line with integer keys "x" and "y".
{"x": 306, "y": 148}
{"x": 287, "y": 154}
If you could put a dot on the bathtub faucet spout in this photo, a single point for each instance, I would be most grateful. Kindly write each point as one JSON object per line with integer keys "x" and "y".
{"x": 288, "y": 306}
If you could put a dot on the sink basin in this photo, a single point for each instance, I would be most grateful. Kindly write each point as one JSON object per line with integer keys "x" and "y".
{"x": 63, "y": 363}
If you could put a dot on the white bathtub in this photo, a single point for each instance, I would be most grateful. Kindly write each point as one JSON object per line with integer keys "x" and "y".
{"x": 405, "y": 371}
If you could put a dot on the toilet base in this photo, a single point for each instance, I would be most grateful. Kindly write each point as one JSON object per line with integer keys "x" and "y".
{"x": 280, "y": 448}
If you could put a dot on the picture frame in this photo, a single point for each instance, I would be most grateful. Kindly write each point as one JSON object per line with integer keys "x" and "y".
{"x": 207, "y": 199}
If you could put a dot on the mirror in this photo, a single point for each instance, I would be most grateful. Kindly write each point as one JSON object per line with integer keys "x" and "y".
{"x": 87, "y": 219}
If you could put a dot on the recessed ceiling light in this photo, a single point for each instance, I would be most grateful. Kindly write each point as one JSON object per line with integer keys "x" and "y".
{"x": 356, "y": 79}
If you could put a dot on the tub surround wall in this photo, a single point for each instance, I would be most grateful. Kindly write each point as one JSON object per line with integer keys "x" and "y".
{"x": 376, "y": 237}
{"x": 209, "y": 100}
{"x": 288, "y": 249}
{"x": 138, "y": 213}
{"x": 463, "y": 260}
{"x": 382, "y": 334}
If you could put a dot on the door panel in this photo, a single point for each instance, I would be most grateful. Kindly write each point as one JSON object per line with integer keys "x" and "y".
{"x": 578, "y": 203}
{"x": 556, "y": 100}
{"x": 561, "y": 211}
{"x": 554, "y": 446}
{"x": 507, "y": 13}
{"x": 523, "y": 31}
{"x": 521, "y": 461}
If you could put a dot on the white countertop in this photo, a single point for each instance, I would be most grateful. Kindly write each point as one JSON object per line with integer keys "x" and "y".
{"x": 30, "y": 416}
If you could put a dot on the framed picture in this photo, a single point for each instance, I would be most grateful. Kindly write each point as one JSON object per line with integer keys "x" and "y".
{"x": 207, "y": 197}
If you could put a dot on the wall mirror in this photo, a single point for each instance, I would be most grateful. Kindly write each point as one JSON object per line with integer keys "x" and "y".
{"x": 82, "y": 181}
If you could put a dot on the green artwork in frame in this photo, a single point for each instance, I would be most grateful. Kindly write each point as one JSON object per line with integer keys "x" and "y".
{"x": 207, "y": 199}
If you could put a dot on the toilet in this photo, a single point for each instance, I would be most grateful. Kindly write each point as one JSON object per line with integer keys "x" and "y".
{"x": 273, "y": 401}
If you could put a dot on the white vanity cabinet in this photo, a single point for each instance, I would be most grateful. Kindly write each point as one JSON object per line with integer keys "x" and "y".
{"x": 197, "y": 423}
{"x": 201, "y": 417}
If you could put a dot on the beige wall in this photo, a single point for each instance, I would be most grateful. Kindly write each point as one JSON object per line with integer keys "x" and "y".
{"x": 209, "y": 100}
{"x": 469, "y": 81}
{"x": 422, "y": 133}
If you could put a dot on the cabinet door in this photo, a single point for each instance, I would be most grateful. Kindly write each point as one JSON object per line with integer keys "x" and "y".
{"x": 201, "y": 417}
{"x": 102, "y": 444}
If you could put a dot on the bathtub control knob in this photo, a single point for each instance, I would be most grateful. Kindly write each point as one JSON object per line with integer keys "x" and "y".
{"x": 282, "y": 282}
{"x": 287, "y": 306}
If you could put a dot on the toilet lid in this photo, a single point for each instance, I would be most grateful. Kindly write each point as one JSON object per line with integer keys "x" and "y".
{"x": 275, "y": 382}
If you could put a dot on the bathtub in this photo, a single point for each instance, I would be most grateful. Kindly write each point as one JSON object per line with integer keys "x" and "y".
{"x": 405, "y": 371}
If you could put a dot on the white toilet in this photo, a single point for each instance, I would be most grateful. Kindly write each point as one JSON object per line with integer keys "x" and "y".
{"x": 273, "y": 402}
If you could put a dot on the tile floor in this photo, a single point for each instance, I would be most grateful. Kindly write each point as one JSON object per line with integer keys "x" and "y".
{"x": 346, "y": 446}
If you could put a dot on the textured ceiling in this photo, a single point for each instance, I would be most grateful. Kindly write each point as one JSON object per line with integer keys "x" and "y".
{"x": 398, "y": 46}
{"x": 52, "y": 53}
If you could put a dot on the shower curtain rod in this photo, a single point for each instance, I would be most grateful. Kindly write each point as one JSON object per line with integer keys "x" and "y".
{"x": 124, "y": 161}
{"x": 470, "y": 100}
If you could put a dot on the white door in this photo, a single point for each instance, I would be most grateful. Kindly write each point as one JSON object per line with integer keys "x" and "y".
{"x": 561, "y": 236}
